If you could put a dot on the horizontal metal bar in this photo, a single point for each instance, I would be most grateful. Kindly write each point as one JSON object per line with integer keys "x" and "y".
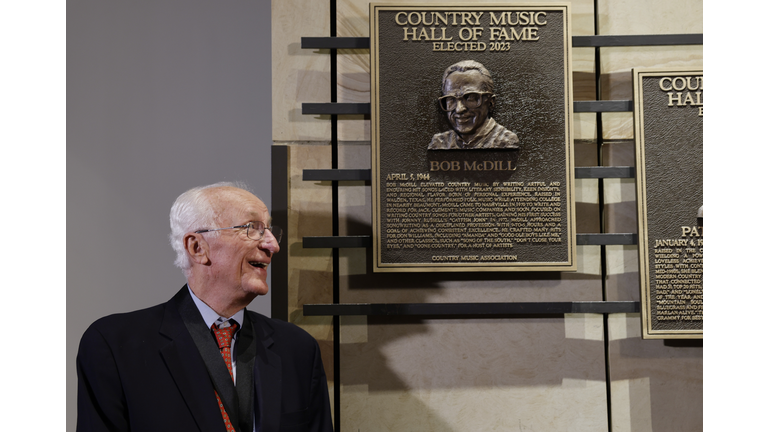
{"x": 340, "y": 108}
{"x": 335, "y": 42}
{"x": 349, "y": 108}
{"x": 606, "y": 239}
{"x": 337, "y": 174}
{"x": 637, "y": 40}
{"x": 337, "y": 242}
{"x": 603, "y": 106}
{"x": 319, "y": 242}
{"x": 576, "y": 41}
{"x": 471, "y": 309}
{"x": 605, "y": 172}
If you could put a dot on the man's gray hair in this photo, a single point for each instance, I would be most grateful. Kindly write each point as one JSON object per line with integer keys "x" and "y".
{"x": 193, "y": 211}
{"x": 467, "y": 65}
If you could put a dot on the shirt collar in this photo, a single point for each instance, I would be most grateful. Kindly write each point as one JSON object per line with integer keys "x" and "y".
{"x": 210, "y": 316}
{"x": 487, "y": 127}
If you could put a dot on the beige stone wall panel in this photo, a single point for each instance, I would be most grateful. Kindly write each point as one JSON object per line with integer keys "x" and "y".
{"x": 620, "y": 209}
{"x": 622, "y": 281}
{"x": 310, "y": 270}
{"x": 353, "y": 81}
{"x": 355, "y": 197}
{"x": 586, "y": 190}
{"x": 483, "y": 374}
{"x": 299, "y": 75}
{"x": 616, "y": 77}
{"x": 310, "y": 275}
{"x": 629, "y": 17}
{"x": 656, "y": 385}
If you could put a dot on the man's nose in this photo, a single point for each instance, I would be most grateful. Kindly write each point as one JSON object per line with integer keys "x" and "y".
{"x": 460, "y": 107}
{"x": 269, "y": 242}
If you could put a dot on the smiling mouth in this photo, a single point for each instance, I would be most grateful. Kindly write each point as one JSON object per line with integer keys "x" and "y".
{"x": 258, "y": 264}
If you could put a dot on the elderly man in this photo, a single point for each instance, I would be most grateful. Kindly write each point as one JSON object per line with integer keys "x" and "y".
{"x": 202, "y": 362}
{"x": 468, "y": 101}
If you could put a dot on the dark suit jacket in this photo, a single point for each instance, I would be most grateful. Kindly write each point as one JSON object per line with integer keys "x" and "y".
{"x": 142, "y": 371}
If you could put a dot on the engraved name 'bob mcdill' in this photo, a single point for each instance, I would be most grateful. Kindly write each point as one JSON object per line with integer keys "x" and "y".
{"x": 488, "y": 165}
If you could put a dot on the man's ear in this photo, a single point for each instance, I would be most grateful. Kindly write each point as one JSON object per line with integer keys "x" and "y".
{"x": 197, "y": 248}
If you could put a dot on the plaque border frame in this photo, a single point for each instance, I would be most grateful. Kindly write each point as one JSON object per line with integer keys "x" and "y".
{"x": 570, "y": 264}
{"x": 642, "y": 211}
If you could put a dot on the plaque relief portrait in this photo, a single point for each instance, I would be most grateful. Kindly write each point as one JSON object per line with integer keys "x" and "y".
{"x": 468, "y": 101}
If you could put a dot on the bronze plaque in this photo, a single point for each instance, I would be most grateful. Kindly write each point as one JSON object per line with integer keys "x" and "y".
{"x": 669, "y": 131}
{"x": 472, "y": 152}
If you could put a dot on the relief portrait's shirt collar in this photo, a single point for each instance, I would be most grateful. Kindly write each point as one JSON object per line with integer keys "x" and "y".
{"x": 487, "y": 127}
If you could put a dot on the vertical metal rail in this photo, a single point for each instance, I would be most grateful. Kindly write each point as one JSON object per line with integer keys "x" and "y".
{"x": 279, "y": 265}
{"x": 335, "y": 221}
{"x": 601, "y": 213}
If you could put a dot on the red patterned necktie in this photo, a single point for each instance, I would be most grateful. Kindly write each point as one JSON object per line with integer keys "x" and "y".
{"x": 224, "y": 339}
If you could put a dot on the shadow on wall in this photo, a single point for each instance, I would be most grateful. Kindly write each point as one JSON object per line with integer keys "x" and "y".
{"x": 662, "y": 381}
{"x": 426, "y": 372}
{"x": 407, "y": 353}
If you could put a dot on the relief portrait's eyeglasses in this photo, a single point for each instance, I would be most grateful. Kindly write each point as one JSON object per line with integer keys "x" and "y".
{"x": 254, "y": 230}
{"x": 469, "y": 99}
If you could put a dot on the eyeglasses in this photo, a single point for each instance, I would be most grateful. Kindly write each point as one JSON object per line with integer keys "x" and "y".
{"x": 469, "y": 99}
{"x": 254, "y": 230}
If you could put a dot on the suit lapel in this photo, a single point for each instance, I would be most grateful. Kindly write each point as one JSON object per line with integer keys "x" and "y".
{"x": 246, "y": 360}
{"x": 268, "y": 377}
{"x": 209, "y": 351}
{"x": 186, "y": 367}
{"x": 185, "y": 356}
